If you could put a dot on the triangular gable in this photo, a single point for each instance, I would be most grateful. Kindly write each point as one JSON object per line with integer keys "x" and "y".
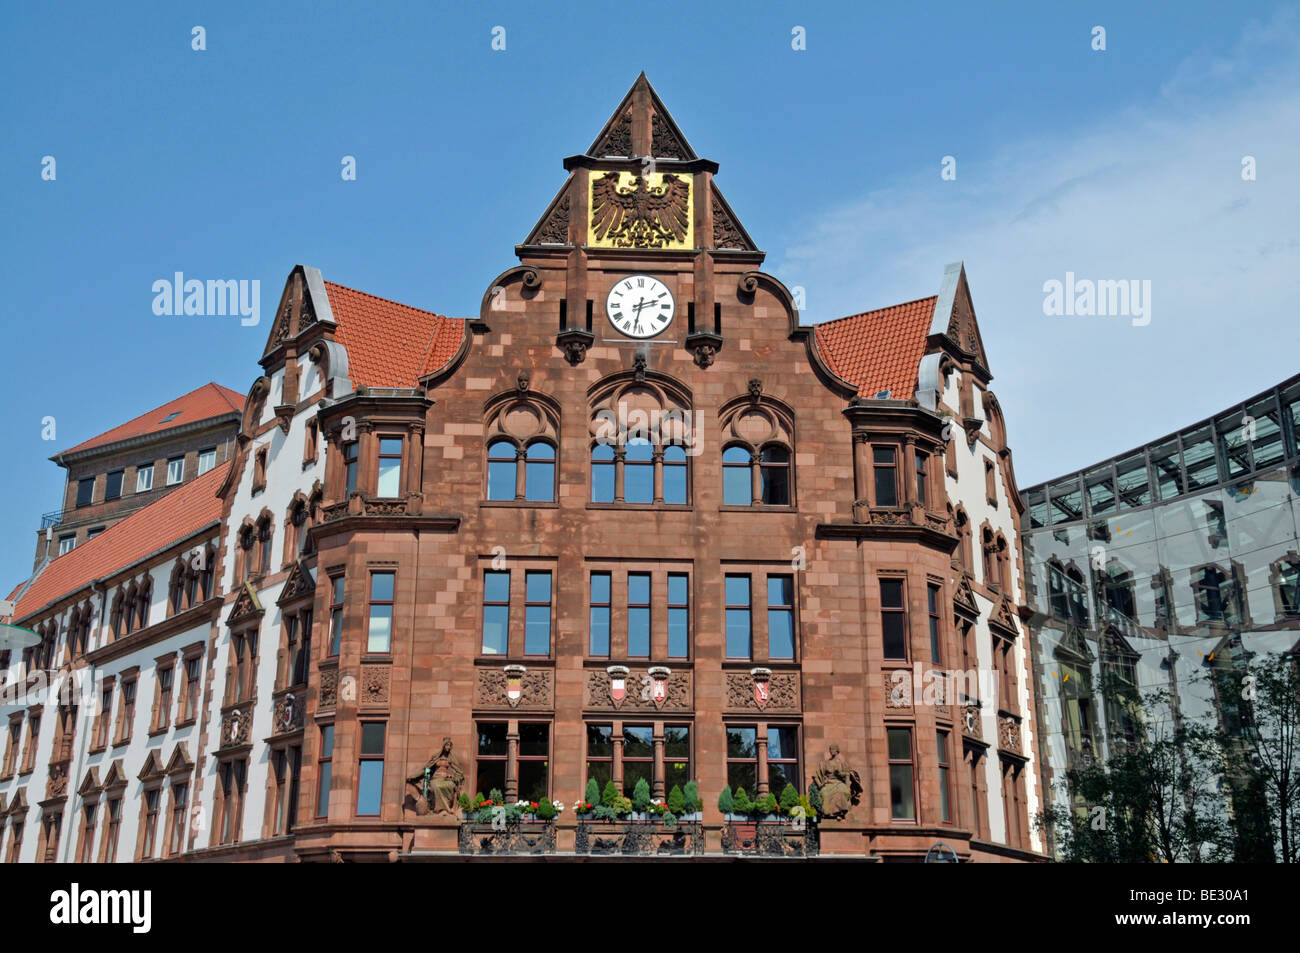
{"x": 19, "y": 804}
{"x": 1004, "y": 617}
{"x": 1116, "y": 646}
{"x": 728, "y": 233}
{"x": 115, "y": 776}
{"x": 1073, "y": 647}
{"x": 299, "y": 584}
{"x": 152, "y": 769}
{"x": 963, "y": 598}
{"x": 179, "y": 762}
{"x": 641, "y": 126}
{"x": 246, "y": 606}
{"x": 89, "y": 786}
{"x": 303, "y": 303}
{"x": 954, "y": 315}
{"x": 553, "y": 227}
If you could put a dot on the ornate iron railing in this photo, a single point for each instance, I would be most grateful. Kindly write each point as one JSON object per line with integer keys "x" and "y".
{"x": 639, "y": 838}
{"x": 770, "y": 838}
{"x": 518, "y": 837}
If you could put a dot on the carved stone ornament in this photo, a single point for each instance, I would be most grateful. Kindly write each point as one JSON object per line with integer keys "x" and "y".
{"x": 374, "y": 685}
{"x": 574, "y": 342}
{"x": 514, "y": 686}
{"x": 623, "y": 689}
{"x": 664, "y": 143}
{"x": 704, "y": 347}
{"x": 761, "y": 689}
{"x": 755, "y": 389}
{"x": 236, "y": 726}
{"x": 640, "y": 215}
{"x": 898, "y": 688}
{"x": 439, "y": 783}
{"x": 971, "y": 722}
{"x": 555, "y": 230}
{"x": 329, "y": 688}
{"x": 725, "y": 233}
{"x": 1009, "y": 734}
{"x": 288, "y": 714}
{"x": 522, "y": 381}
{"x": 638, "y": 367}
{"x": 618, "y": 141}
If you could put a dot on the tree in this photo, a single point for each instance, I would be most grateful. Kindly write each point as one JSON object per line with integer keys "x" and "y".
{"x": 676, "y": 801}
{"x": 610, "y": 796}
{"x": 592, "y": 794}
{"x": 726, "y": 804}
{"x": 789, "y": 798}
{"x": 640, "y": 795}
{"x": 691, "y": 794}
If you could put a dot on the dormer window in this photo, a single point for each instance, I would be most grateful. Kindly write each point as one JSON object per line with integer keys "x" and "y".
{"x": 884, "y": 464}
{"x": 390, "y": 467}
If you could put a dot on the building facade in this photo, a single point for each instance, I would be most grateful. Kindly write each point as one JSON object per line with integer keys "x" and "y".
{"x": 633, "y": 521}
{"x": 1151, "y": 569}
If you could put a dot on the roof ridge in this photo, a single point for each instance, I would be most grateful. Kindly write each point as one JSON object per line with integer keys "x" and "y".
{"x": 888, "y": 307}
{"x": 400, "y": 304}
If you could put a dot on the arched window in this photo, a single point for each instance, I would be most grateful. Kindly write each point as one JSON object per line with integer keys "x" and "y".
{"x": 1116, "y": 585}
{"x": 143, "y": 598}
{"x": 1078, "y": 597}
{"x": 674, "y": 464}
{"x": 965, "y": 557}
{"x": 1004, "y": 563}
{"x": 296, "y": 540}
{"x": 247, "y": 537}
{"x": 602, "y": 473}
{"x": 1215, "y": 595}
{"x": 774, "y": 464}
{"x": 641, "y": 425}
{"x": 989, "y": 547}
{"x": 502, "y": 464}
{"x": 539, "y": 472}
{"x": 264, "y": 534}
{"x": 758, "y": 452}
{"x": 737, "y": 483}
{"x": 1285, "y": 579}
{"x": 176, "y": 588}
{"x": 638, "y": 472}
{"x": 128, "y": 610}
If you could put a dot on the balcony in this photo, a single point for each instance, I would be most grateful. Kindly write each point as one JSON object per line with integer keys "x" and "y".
{"x": 506, "y": 837}
{"x": 52, "y": 518}
{"x": 629, "y": 838}
{"x": 770, "y": 838}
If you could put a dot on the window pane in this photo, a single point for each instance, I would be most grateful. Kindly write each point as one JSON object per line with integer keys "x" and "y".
{"x": 638, "y": 473}
{"x": 634, "y": 771}
{"x": 390, "y": 477}
{"x": 113, "y": 486}
{"x": 743, "y": 775}
{"x": 780, "y": 775}
{"x": 539, "y": 473}
{"x": 370, "y": 786}
{"x": 327, "y": 741}
{"x": 537, "y": 586}
{"x": 534, "y": 740}
{"x": 900, "y": 744}
{"x": 492, "y": 739}
{"x": 638, "y": 631}
{"x": 783, "y": 743}
{"x": 742, "y": 742}
{"x": 738, "y": 633}
{"x": 737, "y": 484}
{"x": 323, "y": 797}
{"x": 1132, "y": 483}
{"x": 496, "y": 586}
{"x": 600, "y": 741}
{"x": 900, "y": 792}
{"x": 537, "y": 634}
{"x": 496, "y": 620}
{"x": 600, "y": 613}
{"x": 533, "y": 777}
{"x": 737, "y": 590}
{"x": 491, "y": 774}
{"x": 381, "y": 587}
{"x": 638, "y": 741}
{"x": 677, "y": 741}
{"x": 501, "y": 481}
{"x": 390, "y": 446}
{"x": 602, "y": 474}
{"x": 678, "y": 633}
{"x": 381, "y": 629}
{"x": 372, "y": 737}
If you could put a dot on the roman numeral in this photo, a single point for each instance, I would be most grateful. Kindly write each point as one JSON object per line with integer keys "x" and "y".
{"x": 640, "y": 282}
{"x": 628, "y": 285}
{"x": 618, "y": 315}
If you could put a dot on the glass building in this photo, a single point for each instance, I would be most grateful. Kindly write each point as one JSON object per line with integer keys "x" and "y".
{"x": 1150, "y": 567}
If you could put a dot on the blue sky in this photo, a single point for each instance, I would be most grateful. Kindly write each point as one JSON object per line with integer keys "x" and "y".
{"x": 225, "y": 163}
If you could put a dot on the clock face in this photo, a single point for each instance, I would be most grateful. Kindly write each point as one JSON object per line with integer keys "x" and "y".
{"x": 640, "y": 306}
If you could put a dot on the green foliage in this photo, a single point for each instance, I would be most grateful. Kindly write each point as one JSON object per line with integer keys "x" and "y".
{"x": 592, "y": 794}
{"x": 789, "y": 798}
{"x": 546, "y": 809}
{"x": 815, "y": 798}
{"x": 806, "y": 804}
{"x": 478, "y": 800}
{"x": 603, "y": 813}
{"x": 676, "y": 801}
{"x": 766, "y": 804}
{"x": 623, "y": 805}
{"x": 609, "y": 797}
{"x": 743, "y": 804}
{"x": 726, "y": 803}
{"x": 640, "y": 795}
{"x": 496, "y": 797}
{"x": 670, "y": 819}
{"x": 691, "y": 795}
{"x": 464, "y": 801}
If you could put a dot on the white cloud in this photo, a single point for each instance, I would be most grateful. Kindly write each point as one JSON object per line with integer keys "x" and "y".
{"x": 1155, "y": 192}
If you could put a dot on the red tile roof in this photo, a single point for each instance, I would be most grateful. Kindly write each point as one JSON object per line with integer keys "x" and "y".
{"x": 878, "y": 350}
{"x": 210, "y": 400}
{"x": 182, "y": 511}
{"x": 390, "y": 344}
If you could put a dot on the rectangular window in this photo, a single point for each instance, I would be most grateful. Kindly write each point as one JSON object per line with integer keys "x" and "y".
{"x": 638, "y": 615}
{"x": 370, "y": 771}
{"x": 175, "y": 470}
{"x": 85, "y": 491}
{"x": 144, "y": 477}
{"x": 742, "y": 758}
{"x": 677, "y": 756}
{"x": 112, "y": 827}
{"x": 349, "y": 469}
{"x": 739, "y": 632}
{"x": 192, "y": 681}
{"x": 163, "y": 716}
{"x": 990, "y": 484}
{"x": 207, "y": 460}
{"x": 886, "y": 480}
{"x": 149, "y": 822}
{"x": 336, "y": 614}
{"x": 490, "y": 761}
{"x": 534, "y": 762}
{"x": 309, "y": 442}
{"x": 638, "y": 757}
{"x": 902, "y": 792}
{"x": 299, "y": 647}
{"x": 922, "y": 479}
{"x": 231, "y": 779}
{"x": 600, "y": 614}
{"x": 893, "y": 619}
{"x": 390, "y": 467}
{"x": 105, "y": 716}
{"x": 324, "y": 770}
{"x": 782, "y": 758}
{"x": 679, "y": 615}
{"x": 780, "y": 617}
{"x": 945, "y": 781}
{"x": 600, "y": 754}
{"x": 67, "y": 543}
{"x": 127, "y": 721}
{"x": 179, "y": 821}
{"x": 288, "y": 768}
{"x": 380, "y": 634}
{"x": 936, "y": 633}
{"x": 113, "y": 485}
{"x": 86, "y": 852}
{"x": 537, "y": 613}
{"x": 496, "y": 612}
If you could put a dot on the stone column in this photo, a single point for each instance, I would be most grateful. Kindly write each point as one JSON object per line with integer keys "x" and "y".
{"x": 512, "y": 762}
{"x": 761, "y": 744}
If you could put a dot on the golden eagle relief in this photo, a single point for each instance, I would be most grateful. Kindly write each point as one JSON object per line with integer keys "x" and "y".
{"x": 641, "y": 211}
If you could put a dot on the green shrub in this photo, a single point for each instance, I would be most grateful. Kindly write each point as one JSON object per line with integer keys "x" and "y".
{"x": 815, "y": 798}
{"x": 767, "y": 803}
{"x": 592, "y": 794}
{"x": 478, "y": 800}
{"x": 602, "y": 813}
{"x": 496, "y": 797}
{"x": 609, "y": 797}
{"x": 743, "y": 804}
{"x": 789, "y": 798}
{"x": 670, "y": 819}
{"x": 691, "y": 795}
{"x": 640, "y": 795}
{"x": 726, "y": 804}
{"x": 623, "y": 805}
{"x": 546, "y": 809}
{"x": 676, "y": 802}
{"x": 464, "y": 801}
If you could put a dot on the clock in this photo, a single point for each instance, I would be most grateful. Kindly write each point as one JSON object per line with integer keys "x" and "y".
{"x": 640, "y": 306}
